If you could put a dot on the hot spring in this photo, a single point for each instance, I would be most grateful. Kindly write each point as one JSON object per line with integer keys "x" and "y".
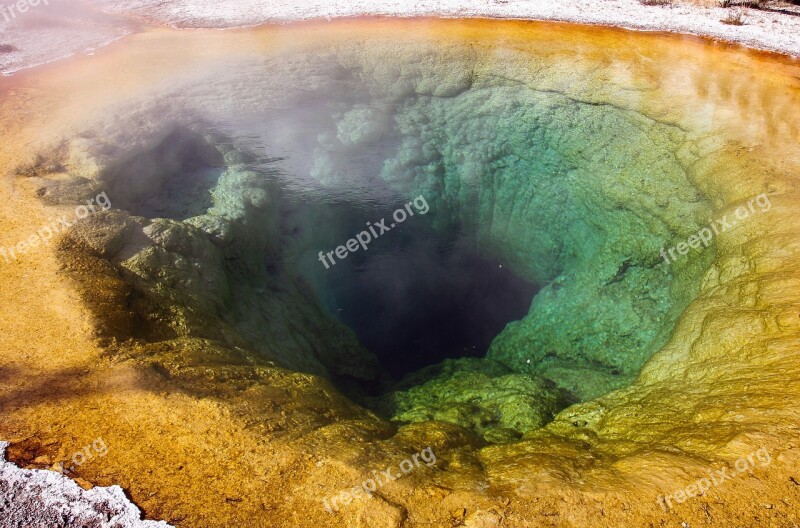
{"x": 530, "y": 277}
{"x": 513, "y": 244}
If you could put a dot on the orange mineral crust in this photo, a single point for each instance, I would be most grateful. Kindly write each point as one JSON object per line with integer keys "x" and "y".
{"x": 208, "y": 426}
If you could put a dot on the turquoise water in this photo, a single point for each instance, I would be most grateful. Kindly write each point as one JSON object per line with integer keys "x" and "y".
{"x": 416, "y": 295}
{"x": 532, "y": 279}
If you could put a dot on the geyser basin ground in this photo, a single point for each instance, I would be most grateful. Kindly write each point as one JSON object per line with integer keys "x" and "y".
{"x": 196, "y": 331}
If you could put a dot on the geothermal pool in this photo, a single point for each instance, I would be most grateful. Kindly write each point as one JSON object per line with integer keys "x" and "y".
{"x": 557, "y": 256}
{"x": 510, "y": 220}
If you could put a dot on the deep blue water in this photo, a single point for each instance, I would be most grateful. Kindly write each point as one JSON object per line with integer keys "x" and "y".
{"x": 418, "y": 295}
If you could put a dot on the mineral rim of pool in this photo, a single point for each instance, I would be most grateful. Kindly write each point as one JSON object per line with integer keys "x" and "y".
{"x": 204, "y": 343}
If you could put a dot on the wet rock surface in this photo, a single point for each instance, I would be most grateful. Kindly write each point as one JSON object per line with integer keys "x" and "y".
{"x": 478, "y": 394}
